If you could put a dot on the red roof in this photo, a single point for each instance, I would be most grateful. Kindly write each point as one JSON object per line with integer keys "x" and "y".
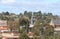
{"x": 11, "y": 36}
{"x": 3, "y": 27}
{"x": 30, "y": 33}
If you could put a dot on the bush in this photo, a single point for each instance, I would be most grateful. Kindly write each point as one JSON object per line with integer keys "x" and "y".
{"x": 24, "y": 36}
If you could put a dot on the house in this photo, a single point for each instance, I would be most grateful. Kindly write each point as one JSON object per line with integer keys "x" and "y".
{"x": 56, "y": 24}
{"x": 5, "y": 32}
{"x": 3, "y": 26}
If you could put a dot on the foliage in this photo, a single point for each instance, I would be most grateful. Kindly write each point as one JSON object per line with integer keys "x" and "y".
{"x": 24, "y": 21}
{"x": 28, "y": 14}
{"x": 41, "y": 26}
{"x": 0, "y": 38}
{"x": 24, "y": 36}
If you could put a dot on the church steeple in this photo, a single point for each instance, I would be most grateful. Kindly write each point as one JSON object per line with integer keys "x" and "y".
{"x": 32, "y": 19}
{"x": 31, "y": 24}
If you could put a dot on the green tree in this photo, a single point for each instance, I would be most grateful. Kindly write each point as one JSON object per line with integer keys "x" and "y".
{"x": 28, "y": 14}
{"x": 7, "y": 13}
{"x": 24, "y": 36}
{"x": 38, "y": 15}
{"x": 43, "y": 29}
{"x": 24, "y": 21}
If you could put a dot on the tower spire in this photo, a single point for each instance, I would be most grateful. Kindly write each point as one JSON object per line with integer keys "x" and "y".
{"x": 32, "y": 19}
{"x": 31, "y": 24}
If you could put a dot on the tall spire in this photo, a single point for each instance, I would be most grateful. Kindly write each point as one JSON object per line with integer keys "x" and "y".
{"x": 31, "y": 24}
{"x": 32, "y": 19}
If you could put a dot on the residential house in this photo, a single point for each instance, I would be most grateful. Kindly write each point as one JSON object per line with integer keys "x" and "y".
{"x": 56, "y": 24}
{"x": 5, "y": 32}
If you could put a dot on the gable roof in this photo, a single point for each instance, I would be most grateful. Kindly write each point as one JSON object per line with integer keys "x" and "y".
{"x": 56, "y": 21}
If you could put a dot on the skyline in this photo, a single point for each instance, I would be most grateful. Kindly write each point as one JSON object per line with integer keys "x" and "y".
{"x": 17, "y": 6}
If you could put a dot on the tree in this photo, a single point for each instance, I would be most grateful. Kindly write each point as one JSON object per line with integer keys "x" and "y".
{"x": 7, "y": 13}
{"x": 48, "y": 30}
{"x": 24, "y": 36}
{"x": 37, "y": 27}
{"x": 24, "y": 21}
{"x": 28, "y": 14}
{"x": 13, "y": 25}
{"x": 38, "y": 14}
{"x": 43, "y": 29}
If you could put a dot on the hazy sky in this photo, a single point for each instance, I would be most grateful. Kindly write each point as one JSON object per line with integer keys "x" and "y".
{"x": 17, "y": 6}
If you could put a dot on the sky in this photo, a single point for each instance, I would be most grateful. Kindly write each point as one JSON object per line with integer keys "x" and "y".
{"x": 17, "y": 6}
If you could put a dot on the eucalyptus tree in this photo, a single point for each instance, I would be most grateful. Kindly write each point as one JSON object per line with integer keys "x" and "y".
{"x": 24, "y": 22}
{"x": 28, "y": 14}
